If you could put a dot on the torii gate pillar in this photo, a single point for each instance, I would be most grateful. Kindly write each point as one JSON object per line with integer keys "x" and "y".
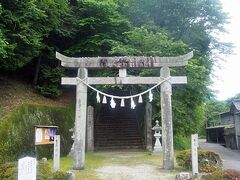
{"x": 80, "y": 122}
{"x": 166, "y": 115}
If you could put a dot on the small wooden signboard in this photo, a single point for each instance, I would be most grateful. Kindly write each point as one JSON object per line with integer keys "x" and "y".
{"x": 45, "y": 134}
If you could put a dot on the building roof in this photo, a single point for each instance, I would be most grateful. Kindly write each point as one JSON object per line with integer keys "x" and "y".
{"x": 236, "y": 103}
{"x": 215, "y": 127}
{"x": 41, "y": 126}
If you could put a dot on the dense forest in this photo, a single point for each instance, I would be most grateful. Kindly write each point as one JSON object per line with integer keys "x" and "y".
{"x": 31, "y": 31}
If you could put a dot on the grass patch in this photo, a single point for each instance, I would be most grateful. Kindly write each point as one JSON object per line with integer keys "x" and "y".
{"x": 96, "y": 160}
{"x": 92, "y": 162}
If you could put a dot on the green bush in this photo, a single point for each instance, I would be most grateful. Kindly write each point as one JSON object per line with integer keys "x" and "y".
{"x": 8, "y": 171}
{"x": 44, "y": 171}
{"x": 61, "y": 175}
{"x": 208, "y": 161}
{"x": 227, "y": 174}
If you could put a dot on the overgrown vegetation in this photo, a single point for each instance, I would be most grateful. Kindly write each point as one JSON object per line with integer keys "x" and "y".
{"x": 17, "y": 132}
{"x": 208, "y": 161}
{"x": 226, "y": 174}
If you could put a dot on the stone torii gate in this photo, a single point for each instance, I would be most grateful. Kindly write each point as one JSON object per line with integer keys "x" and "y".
{"x": 123, "y": 63}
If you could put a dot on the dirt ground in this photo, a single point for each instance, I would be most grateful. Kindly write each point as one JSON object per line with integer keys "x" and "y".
{"x": 138, "y": 172}
{"x": 134, "y": 166}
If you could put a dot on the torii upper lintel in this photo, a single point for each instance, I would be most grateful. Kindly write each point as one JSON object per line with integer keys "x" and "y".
{"x": 129, "y": 62}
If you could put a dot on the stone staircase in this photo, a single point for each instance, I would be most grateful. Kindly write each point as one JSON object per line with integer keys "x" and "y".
{"x": 117, "y": 129}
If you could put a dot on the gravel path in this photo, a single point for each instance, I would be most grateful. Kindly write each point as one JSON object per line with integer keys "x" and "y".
{"x": 134, "y": 166}
{"x": 138, "y": 172}
{"x": 231, "y": 158}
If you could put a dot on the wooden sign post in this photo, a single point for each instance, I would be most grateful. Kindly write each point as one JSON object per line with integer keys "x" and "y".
{"x": 123, "y": 63}
{"x": 47, "y": 135}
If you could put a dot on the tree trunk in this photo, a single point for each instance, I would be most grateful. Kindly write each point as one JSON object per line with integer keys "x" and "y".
{"x": 35, "y": 79}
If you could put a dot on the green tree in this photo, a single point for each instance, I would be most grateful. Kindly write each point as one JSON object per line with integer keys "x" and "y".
{"x": 190, "y": 21}
{"x": 25, "y": 25}
{"x": 96, "y": 24}
{"x": 213, "y": 109}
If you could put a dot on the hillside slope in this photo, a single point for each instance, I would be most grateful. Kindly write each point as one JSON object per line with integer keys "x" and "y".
{"x": 15, "y": 92}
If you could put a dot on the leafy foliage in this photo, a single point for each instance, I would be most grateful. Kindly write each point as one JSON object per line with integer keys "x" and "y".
{"x": 96, "y": 24}
{"x": 213, "y": 109}
{"x": 208, "y": 161}
{"x": 181, "y": 142}
{"x": 226, "y": 174}
{"x": 187, "y": 20}
{"x": 8, "y": 171}
{"x": 50, "y": 81}
{"x": 25, "y": 24}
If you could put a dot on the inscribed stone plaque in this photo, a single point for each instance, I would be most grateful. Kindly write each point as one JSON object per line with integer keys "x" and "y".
{"x": 56, "y": 157}
{"x": 27, "y": 168}
{"x": 195, "y": 154}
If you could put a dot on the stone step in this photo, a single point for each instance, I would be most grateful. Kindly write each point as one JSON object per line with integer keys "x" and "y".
{"x": 108, "y": 143}
{"x": 116, "y": 124}
{"x": 118, "y": 147}
{"x": 117, "y": 133}
{"x": 116, "y": 121}
{"x": 115, "y": 129}
{"x": 125, "y": 141}
{"x": 120, "y": 138}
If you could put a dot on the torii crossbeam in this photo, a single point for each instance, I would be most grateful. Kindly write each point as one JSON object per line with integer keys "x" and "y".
{"x": 123, "y": 63}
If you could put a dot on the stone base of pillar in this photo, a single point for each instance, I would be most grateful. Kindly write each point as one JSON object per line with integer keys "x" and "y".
{"x": 158, "y": 150}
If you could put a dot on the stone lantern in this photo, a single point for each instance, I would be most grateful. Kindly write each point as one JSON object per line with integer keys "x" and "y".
{"x": 157, "y": 146}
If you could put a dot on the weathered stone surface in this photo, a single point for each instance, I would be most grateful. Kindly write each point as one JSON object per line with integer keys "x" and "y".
{"x": 125, "y": 80}
{"x": 80, "y": 122}
{"x": 148, "y": 120}
{"x": 123, "y": 62}
{"x": 27, "y": 168}
{"x": 183, "y": 176}
{"x": 194, "y": 144}
{"x": 56, "y": 154}
{"x": 166, "y": 114}
{"x": 90, "y": 128}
